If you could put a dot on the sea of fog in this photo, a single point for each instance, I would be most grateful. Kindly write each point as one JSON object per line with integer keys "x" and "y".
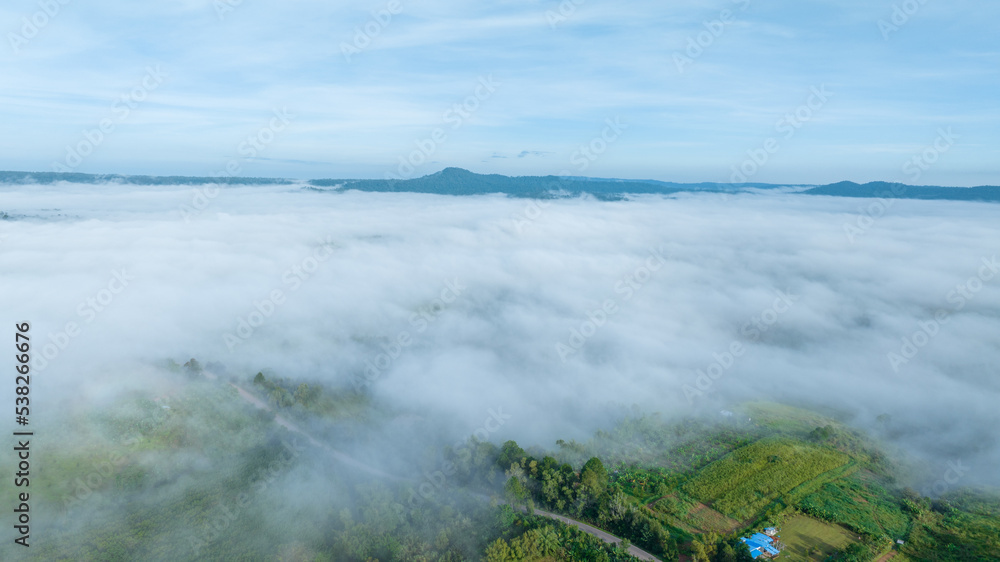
{"x": 554, "y": 313}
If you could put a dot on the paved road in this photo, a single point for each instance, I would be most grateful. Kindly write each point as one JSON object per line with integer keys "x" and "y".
{"x": 604, "y": 536}
{"x": 340, "y": 456}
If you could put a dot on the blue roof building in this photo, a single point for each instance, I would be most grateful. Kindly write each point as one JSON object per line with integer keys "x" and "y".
{"x": 760, "y": 545}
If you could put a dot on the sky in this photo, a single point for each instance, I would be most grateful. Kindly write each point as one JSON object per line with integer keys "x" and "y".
{"x": 678, "y": 91}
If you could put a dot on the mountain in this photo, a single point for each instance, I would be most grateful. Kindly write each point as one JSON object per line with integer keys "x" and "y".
{"x": 72, "y": 177}
{"x": 902, "y": 191}
{"x": 457, "y": 181}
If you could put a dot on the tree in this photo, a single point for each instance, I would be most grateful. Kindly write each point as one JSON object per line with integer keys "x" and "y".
{"x": 594, "y": 477}
{"x": 281, "y": 397}
{"x": 741, "y": 550}
{"x": 304, "y": 394}
{"x": 499, "y": 551}
{"x": 698, "y": 552}
{"x": 193, "y": 367}
{"x": 726, "y": 554}
{"x": 259, "y": 379}
{"x": 856, "y": 552}
{"x": 821, "y": 434}
{"x": 942, "y": 506}
{"x": 548, "y": 541}
{"x": 510, "y": 453}
{"x": 515, "y": 490}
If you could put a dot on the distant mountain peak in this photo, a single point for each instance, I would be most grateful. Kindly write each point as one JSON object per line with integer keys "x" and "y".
{"x": 453, "y": 171}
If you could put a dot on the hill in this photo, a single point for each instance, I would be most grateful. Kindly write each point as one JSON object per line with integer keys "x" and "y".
{"x": 457, "y": 181}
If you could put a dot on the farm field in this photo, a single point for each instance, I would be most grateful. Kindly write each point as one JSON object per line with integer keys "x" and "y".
{"x": 825, "y": 486}
{"x": 744, "y": 482}
{"x": 694, "y": 516}
{"x": 811, "y": 539}
{"x": 863, "y": 508}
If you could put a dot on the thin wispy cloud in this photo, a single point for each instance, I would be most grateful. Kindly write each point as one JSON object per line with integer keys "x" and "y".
{"x": 596, "y": 62}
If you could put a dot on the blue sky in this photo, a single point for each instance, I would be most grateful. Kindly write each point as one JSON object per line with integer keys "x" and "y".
{"x": 549, "y": 78}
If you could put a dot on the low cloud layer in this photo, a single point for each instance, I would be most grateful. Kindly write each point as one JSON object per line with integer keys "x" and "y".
{"x": 544, "y": 313}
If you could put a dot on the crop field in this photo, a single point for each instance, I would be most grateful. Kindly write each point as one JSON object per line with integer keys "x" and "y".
{"x": 745, "y": 481}
{"x": 694, "y": 516}
{"x": 702, "y": 450}
{"x": 710, "y": 520}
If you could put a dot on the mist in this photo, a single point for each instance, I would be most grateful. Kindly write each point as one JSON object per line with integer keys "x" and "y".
{"x": 548, "y": 315}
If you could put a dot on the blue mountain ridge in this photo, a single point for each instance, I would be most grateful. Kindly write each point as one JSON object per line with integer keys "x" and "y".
{"x": 457, "y": 181}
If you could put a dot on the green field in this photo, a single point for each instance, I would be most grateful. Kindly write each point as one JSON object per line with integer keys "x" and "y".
{"x": 124, "y": 477}
{"x": 955, "y": 535}
{"x": 810, "y": 539}
{"x": 863, "y": 508}
{"x": 782, "y": 417}
{"x": 747, "y": 480}
{"x": 694, "y": 516}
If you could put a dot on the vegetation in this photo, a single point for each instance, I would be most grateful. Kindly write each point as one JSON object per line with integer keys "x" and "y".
{"x": 956, "y": 535}
{"x": 537, "y": 538}
{"x": 300, "y": 399}
{"x": 865, "y": 508}
{"x": 201, "y": 473}
{"x": 809, "y": 539}
{"x": 741, "y": 484}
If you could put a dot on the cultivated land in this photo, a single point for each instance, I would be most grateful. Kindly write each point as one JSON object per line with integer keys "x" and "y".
{"x": 746, "y": 480}
{"x": 811, "y": 539}
{"x": 209, "y": 467}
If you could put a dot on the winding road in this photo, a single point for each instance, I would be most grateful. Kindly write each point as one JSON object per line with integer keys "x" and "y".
{"x": 603, "y": 535}
{"x": 347, "y": 459}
